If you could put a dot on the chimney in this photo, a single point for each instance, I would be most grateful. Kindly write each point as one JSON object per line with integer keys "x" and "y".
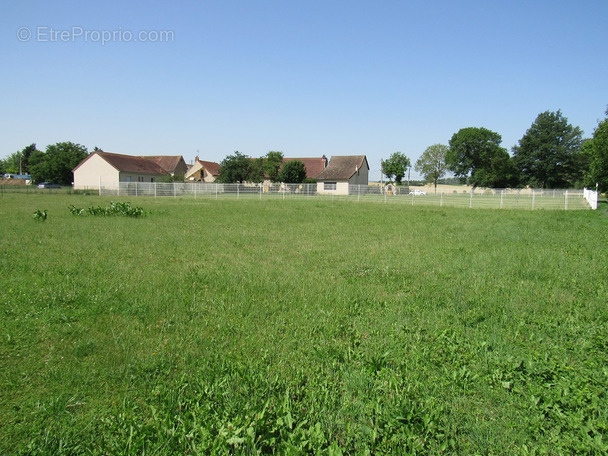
{"x": 324, "y": 158}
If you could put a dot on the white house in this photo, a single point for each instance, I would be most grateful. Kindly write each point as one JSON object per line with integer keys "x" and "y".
{"x": 107, "y": 169}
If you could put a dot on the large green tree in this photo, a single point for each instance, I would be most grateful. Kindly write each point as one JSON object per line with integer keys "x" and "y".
{"x": 292, "y": 172}
{"x": 395, "y": 166}
{"x": 234, "y": 168}
{"x": 597, "y": 150}
{"x": 549, "y": 153}
{"x": 56, "y": 163}
{"x": 431, "y": 163}
{"x": 475, "y": 156}
{"x": 272, "y": 164}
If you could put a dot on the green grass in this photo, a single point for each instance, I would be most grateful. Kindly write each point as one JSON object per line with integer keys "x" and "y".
{"x": 301, "y": 327}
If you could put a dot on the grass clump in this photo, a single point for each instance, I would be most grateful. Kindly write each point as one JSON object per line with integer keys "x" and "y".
{"x": 115, "y": 208}
{"x": 303, "y": 327}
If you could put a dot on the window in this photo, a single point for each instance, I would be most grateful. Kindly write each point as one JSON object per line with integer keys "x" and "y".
{"x": 128, "y": 178}
{"x": 329, "y": 185}
{"x": 151, "y": 179}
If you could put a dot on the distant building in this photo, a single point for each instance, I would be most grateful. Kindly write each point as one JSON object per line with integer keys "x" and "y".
{"x": 108, "y": 170}
{"x": 202, "y": 171}
{"x": 342, "y": 171}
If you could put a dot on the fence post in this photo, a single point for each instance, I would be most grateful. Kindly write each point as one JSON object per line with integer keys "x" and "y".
{"x": 502, "y": 194}
{"x": 261, "y": 184}
{"x": 441, "y": 199}
{"x": 471, "y": 200}
{"x": 566, "y": 203}
{"x": 533, "y": 198}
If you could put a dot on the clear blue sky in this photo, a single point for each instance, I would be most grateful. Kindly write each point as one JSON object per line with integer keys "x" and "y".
{"x": 304, "y": 77}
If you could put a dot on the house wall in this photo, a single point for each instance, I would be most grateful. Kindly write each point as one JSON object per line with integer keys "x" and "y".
{"x": 89, "y": 174}
{"x": 360, "y": 177}
{"x": 199, "y": 173}
{"x": 341, "y": 188}
{"x": 181, "y": 168}
{"x": 139, "y": 177}
{"x": 208, "y": 177}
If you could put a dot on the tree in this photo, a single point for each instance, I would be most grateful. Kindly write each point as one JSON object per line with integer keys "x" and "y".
{"x": 597, "y": 149}
{"x": 256, "y": 170}
{"x": 475, "y": 156}
{"x": 57, "y": 162}
{"x": 234, "y": 168}
{"x": 272, "y": 164}
{"x": 19, "y": 162}
{"x": 431, "y": 163}
{"x": 395, "y": 166}
{"x": 549, "y": 154}
{"x": 292, "y": 172}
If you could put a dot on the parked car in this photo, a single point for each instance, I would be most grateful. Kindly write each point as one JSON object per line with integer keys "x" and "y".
{"x": 48, "y": 185}
{"x": 418, "y": 192}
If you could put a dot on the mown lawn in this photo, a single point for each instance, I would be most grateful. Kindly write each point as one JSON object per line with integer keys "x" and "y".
{"x": 301, "y": 327}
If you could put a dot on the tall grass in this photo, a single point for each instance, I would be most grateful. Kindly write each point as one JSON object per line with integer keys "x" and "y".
{"x": 301, "y": 327}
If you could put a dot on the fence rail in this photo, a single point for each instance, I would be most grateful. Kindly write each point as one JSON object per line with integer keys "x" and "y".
{"x": 563, "y": 199}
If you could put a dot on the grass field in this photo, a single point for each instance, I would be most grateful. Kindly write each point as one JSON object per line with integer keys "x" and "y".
{"x": 301, "y": 327}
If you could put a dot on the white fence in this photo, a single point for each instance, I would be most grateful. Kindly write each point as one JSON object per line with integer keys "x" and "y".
{"x": 478, "y": 198}
{"x": 591, "y": 197}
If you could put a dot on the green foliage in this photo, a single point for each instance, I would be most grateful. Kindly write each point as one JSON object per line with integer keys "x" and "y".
{"x": 431, "y": 163}
{"x": 39, "y": 215}
{"x": 396, "y": 167}
{"x": 234, "y": 168}
{"x": 56, "y": 163}
{"x": 597, "y": 151}
{"x": 272, "y": 164}
{"x": 549, "y": 154}
{"x": 483, "y": 334}
{"x": 172, "y": 178}
{"x": 119, "y": 208}
{"x": 475, "y": 154}
{"x": 19, "y": 162}
{"x": 256, "y": 170}
{"x": 292, "y": 172}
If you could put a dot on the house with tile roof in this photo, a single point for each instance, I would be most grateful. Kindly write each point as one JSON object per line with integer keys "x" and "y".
{"x": 341, "y": 172}
{"x": 202, "y": 171}
{"x": 107, "y": 169}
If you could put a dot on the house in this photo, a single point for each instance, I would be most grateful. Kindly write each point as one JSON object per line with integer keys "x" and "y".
{"x": 108, "y": 169}
{"x": 202, "y": 171}
{"x": 342, "y": 171}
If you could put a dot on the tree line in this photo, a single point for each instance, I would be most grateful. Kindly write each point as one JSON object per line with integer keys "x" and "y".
{"x": 551, "y": 154}
{"x": 54, "y": 164}
{"x": 241, "y": 168}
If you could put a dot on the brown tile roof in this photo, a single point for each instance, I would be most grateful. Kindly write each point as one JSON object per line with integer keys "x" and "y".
{"x": 129, "y": 163}
{"x": 343, "y": 167}
{"x": 211, "y": 167}
{"x": 167, "y": 162}
{"x": 313, "y": 165}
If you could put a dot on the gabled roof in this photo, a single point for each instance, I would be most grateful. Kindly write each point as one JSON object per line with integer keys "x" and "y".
{"x": 211, "y": 167}
{"x": 313, "y": 165}
{"x": 343, "y": 167}
{"x": 167, "y": 162}
{"x": 127, "y": 163}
